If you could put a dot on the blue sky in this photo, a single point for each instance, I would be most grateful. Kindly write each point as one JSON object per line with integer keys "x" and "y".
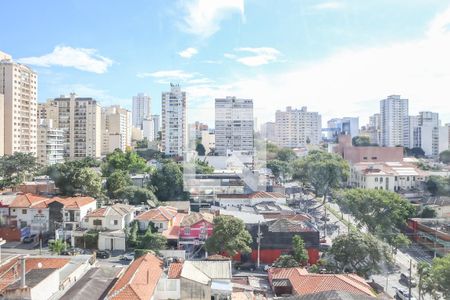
{"x": 337, "y": 57}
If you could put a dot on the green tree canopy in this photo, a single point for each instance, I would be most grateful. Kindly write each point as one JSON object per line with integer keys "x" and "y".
{"x": 361, "y": 141}
{"x": 57, "y": 246}
{"x": 286, "y": 261}
{"x": 444, "y": 157}
{"x": 202, "y": 167}
{"x": 415, "y": 152}
{"x": 323, "y": 171}
{"x": 153, "y": 241}
{"x": 126, "y": 161}
{"x": 428, "y": 212}
{"x": 229, "y": 236}
{"x": 135, "y": 195}
{"x": 280, "y": 169}
{"x": 16, "y": 168}
{"x": 300, "y": 253}
{"x": 286, "y": 154}
{"x": 359, "y": 253}
{"x": 117, "y": 181}
{"x": 438, "y": 186}
{"x": 168, "y": 182}
{"x": 440, "y": 275}
{"x": 201, "y": 151}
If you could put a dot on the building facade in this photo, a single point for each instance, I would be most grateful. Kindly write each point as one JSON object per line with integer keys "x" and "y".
{"x": 141, "y": 109}
{"x": 18, "y": 84}
{"x": 394, "y": 121}
{"x": 50, "y": 143}
{"x": 116, "y": 129}
{"x": 2, "y": 125}
{"x": 174, "y": 123}
{"x": 234, "y": 126}
{"x": 296, "y": 128}
{"x": 338, "y": 126}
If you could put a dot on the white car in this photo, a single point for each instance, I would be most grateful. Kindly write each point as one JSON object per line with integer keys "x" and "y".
{"x": 403, "y": 295}
{"x": 127, "y": 257}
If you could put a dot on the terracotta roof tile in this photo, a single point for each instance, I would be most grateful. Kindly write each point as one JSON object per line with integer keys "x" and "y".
{"x": 161, "y": 213}
{"x": 173, "y": 232}
{"x": 175, "y": 270}
{"x": 29, "y": 200}
{"x": 139, "y": 280}
{"x": 74, "y": 202}
{"x": 271, "y": 195}
{"x": 196, "y": 217}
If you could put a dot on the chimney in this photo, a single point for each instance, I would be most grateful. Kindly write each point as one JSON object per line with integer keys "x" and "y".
{"x": 22, "y": 272}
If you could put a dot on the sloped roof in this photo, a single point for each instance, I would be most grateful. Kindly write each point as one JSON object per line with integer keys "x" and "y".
{"x": 306, "y": 283}
{"x": 329, "y": 295}
{"x": 113, "y": 210}
{"x": 139, "y": 280}
{"x": 74, "y": 202}
{"x": 173, "y": 232}
{"x": 255, "y": 195}
{"x": 214, "y": 269}
{"x": 194, "y": 218}
{"x": 29, "y": 200}
{"x": 160, "y": 213}
{"x": 288, "y": 225}
{"x": 175, "y": 270}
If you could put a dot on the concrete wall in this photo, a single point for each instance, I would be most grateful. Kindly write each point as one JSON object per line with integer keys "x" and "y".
{"x": 104, "y": 242}
{"x": 47, "y": 287}
{"x": 168, "y": 289}
{"x": 191, "y": 290}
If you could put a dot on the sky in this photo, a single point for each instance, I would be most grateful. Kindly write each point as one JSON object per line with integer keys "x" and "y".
{"x": 337, "y": 57}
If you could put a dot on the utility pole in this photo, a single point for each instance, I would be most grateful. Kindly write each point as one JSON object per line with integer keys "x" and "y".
{"x": 410, "y": 278}
{"x": 258, "y": 240}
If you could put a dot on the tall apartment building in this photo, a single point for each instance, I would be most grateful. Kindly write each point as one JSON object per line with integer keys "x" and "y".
{"x": 141, "y": 109}
{"x": 80, "y": 119}
{"x": 338, "y": 126}
{"x": 156, "y": 125}
{"x": 394, "y": 121}
{"x": 116, "y": 129}
{"x": 297, "y": 127}
{"x": 18, "y": 84}
{"x": 424, "y": 132}
{"x": 50, "y": 143}
{"x": 268, "y": 131}
{"x": 173, "y": 130}
{"x": 2, "y": 125}
{"x": 374, "y": 129}
{"x": 234, "y": 126}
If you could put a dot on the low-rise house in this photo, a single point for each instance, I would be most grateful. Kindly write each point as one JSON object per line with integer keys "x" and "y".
{"x": 114, "y": 217}
{"x": 194, "y": 230}
{"x": 205, "y": 279}
{"x": 139, "y": 281}
{"x": 181, "y": 206}
{"x": 249, "y": 199}
{"x": 298, "y": 282}
{"x": 161, "y": 218}
{"x": 28, "y": 210}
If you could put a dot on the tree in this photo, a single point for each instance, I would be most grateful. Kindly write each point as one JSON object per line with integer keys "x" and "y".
{"x": 399, "y": 240}
{"x": 168, "y": 182}
{"x": 229, "y": 236}
{"x": 438, "y": 186}
{"x": 380, "y": 211}
{"x": 361, "y": 141}
{"x": 57, "y": 246}
{"x": 423, "y": 270}
{"x": 286, "y": 261}
{"x": 153, "y": 241}
{"x": 300, "y": 253}
{"x": 132, "y": 239}
{"x": 440, "y": 275}
{"x": 202, "y": 167}
{"x": 88, "y": 182}
{"x": 444, "y": 157}
{"x": 117, "y": 181}
{"x": 200, "y": 149}
{"x": 323, "y": 171}
{"x": 416, "y": 152}
{"x": 16, "y": 168}
{"x": 359, "y": 253}
{"x": 280, "y": 169}
{"x": 286, "y": 154}
{"x": 142, "y": 143}
{"x": 126, "y": 161}
{"x": 136, "y": 195}
{"x": 428, "y": 212}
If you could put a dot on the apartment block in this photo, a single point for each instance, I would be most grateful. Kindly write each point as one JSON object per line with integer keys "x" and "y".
{"x": 116, "y": 129}
{"x": 234, "y": 126}
{"x": 347, "y": 125}
{"x": 18, "y": 85}
{"x": 296, "y": 128}
{"x": 141, "y": 109}
{"x": 425, "y": 132}
{"x": 173, "y": 130}
{"x": 394, "y": 113}
{"x": 2, "y": 125}
{"x": 50, "y": 143}
{"x": 268, "y": 131}
{"x": 80, "y": 119}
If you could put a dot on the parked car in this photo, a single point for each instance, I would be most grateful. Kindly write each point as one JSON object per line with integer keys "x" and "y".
{"x": 127, "y": 257}
{"x": 246, "y": 266}
{"x": 405, "y": 279}
{"x": 324, "y": 218}
{"x": 403, "y": 295}
{"x": 102, "y": 254}
{"x": 29, "y": 239}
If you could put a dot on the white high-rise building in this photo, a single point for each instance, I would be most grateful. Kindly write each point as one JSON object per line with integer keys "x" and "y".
{"x": 50, "y": 143}
{"x": 174, "y": 123}
{"x": 116, "y": 129}
{"x": 394, "y": 113}
{"x": 444, "y": 138}
{"x": 156, "y": 125}
{"x": 141, "y": 109}
{"x": 425, "y": 132}
{"x": 148, "y": 129}
{"x": 81, "y": 120}
{"x": 18, "y": 84}
{"x": 2, "y": 125}
{"x": 374, "y": 129}
{"x": 347, "y": 125}
{"x": 234, "y": 126}
{"x": 297, "y": 127}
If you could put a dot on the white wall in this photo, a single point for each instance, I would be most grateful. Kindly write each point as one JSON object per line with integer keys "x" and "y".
{"x": 46, "y": 288}
{"x": 168, "y": 289}
{"x": 104, "y": 242}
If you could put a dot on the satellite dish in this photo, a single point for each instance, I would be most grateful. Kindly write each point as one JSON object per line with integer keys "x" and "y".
{"x": 39, "y": 265}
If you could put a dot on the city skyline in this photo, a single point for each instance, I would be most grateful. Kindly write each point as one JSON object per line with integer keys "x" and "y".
{"x": 207, "y": 58}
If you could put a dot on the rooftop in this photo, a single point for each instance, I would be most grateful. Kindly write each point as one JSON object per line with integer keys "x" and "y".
{"x": 113, "y": 210}
{"x": 160, "y": 213}
{"x": 196, "y": 217}
{"x": 255, "y": 195}
{"x": 388, "y": 168}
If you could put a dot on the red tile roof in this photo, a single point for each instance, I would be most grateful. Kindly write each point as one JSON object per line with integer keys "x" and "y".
{"x": 74, "y": 202}
{"x": 161, "y": 213}
{"x": 270, "y": 195}
{"x": 173, "y": 232}
{"x": 139, "y": 281}
{"x": 30, "y": 200}
{"x": 196, "y": 217}
{"x": 175, "y": 270}
{"x": 117, "y": 209}
{"x": 304, "y": 283}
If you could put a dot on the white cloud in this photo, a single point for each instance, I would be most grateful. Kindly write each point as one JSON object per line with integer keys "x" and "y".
{"x": 351, "y": 82}
{"x": 188, "y": 52}
{"x": 328, "y": 5}
{"x": 259, "y": 56}
{"x": 203, "y": 17}
{"x": 168, "y": 74}
{"x": 79, "y": 58}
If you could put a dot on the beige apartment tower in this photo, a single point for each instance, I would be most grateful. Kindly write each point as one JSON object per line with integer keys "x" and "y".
{"x": 2, "y": 125}
{"x": 116, "y": 129}
{"x": 18, "y": 85}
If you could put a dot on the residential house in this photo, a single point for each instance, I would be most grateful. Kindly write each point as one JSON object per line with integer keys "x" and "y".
{"x": 249, "y": 199}
{"x": 28, "y": 210}
{"x": 181, "y": 206}
{"x": 139, "y": 281}
{"x": 298, "y": 282}
{"x": 194, "y": 230}
{"x": 161, "y": 218}
{"x": 204, "y": 279}
{"x": 114, "y": 217}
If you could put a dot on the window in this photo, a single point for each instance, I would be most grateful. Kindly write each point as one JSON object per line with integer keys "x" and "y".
{"x": 97, "y": 222}
{"x": 187, "y": 230}
{"x": 116, "y": 222}
{"x": 24, "y": 211}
